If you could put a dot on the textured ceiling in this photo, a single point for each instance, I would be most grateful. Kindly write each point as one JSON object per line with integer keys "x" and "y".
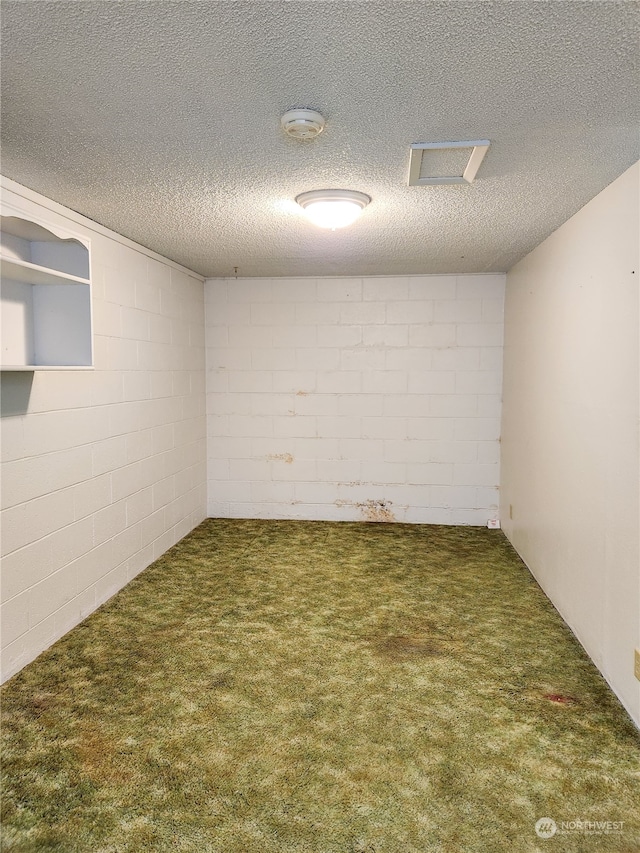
{"x": 160, "y": 120}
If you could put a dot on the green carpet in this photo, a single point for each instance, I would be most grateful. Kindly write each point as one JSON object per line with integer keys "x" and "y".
{"x": 281, "y": 686}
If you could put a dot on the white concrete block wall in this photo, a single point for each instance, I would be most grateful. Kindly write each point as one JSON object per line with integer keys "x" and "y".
{"x": 361, "y": 398}
{"x": 102, "y": 470}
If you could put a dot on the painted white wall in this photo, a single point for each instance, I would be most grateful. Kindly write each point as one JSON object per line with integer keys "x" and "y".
{"x": 102, "y": 470}
{"x": 570, "y": 460}
{"x": 361, "y": 398}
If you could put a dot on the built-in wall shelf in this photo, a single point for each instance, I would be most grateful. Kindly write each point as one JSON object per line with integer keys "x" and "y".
{"x": 34, "y": 274}
{"x": 45, "y": 297}
{"x": 8, "y": 368}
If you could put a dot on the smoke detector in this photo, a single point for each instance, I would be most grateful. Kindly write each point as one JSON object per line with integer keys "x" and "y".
{"x": 302, "y": 124}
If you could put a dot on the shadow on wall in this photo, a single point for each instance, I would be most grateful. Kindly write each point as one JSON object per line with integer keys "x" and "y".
{"x": 15, "y": 390}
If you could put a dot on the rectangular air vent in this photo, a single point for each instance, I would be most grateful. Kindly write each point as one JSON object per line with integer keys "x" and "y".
{"x": 433, "y": 163}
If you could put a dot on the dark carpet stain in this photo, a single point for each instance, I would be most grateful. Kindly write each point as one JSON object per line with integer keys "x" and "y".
{"x": 398, "y": 648}
{"x": 560, "y": 699}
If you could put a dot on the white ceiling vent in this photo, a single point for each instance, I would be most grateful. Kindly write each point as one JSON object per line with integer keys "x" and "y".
{"x": 433, "y": 163}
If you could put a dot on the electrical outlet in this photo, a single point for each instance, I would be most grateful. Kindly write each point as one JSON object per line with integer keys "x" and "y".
{"x": 637, "y": 664}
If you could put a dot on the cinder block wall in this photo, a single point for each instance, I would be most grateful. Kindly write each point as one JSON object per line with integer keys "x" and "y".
{"x": 102, "y": 470}
{"x": 362, "y": 398}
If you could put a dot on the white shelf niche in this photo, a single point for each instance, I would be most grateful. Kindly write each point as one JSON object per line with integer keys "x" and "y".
{"x": 45, "y": 296}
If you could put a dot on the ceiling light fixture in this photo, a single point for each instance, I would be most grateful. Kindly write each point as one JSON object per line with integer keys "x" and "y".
{"x": 333, "y": 208}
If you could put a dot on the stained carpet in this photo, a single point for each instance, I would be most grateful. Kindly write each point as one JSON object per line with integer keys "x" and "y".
{"x": 311, "y": 687}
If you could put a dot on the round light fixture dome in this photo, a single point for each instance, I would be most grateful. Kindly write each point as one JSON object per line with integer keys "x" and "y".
{"x": 302, "y": 124}
{"x": 333, "y": 208}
